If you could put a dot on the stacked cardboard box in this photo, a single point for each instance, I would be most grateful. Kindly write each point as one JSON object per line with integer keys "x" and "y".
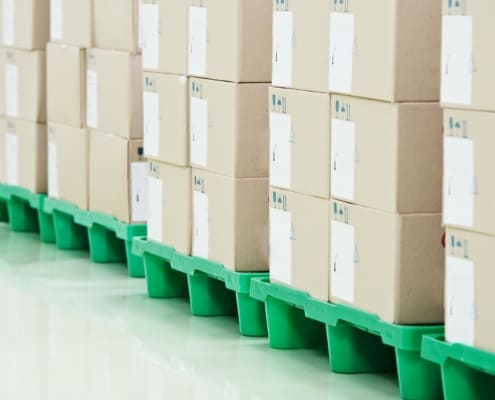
{"x": 24, "y": 32}
{"x": 468, "y": 193}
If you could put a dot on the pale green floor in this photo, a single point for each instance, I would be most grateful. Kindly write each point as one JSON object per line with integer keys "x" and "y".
{"x": 74, "y": 330}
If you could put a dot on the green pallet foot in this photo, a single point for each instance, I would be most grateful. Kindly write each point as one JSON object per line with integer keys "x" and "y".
{"x": 22, "y": 217}
{"x": 4, "y": 213}
{"x": 288, "y": 327}
{"x": 162, "y": 281}
{"x": 461, "y": 382}
{"x": 252, "y": 316}
{"x": 135, "y": 264}
{"x": 47, "y": 230}
{"x": 209, "y": 296}
{"x": 104, "y": 245}
{"x": 70, "y": 236}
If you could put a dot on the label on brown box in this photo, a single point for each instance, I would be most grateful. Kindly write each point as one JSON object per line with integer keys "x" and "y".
{"x": 342, "y": 257}
{"x": 341, "y": 51}
{"x": 11, "y": 158}
{"x": 343, "y": 158}
{"x": 56, "y": 19}
{"x": 280, "y": 149}
{"x": 139, "y": 191}
{"x": 281, "y": 245}
{"x": 201, "y": 228}
{"x": 151, "y": 111}
{"x": 12, "y": 90}
{"x": 8, "y": 22}
{"x": 283, "y": 31}
{"x": 92, "y": 98}
{"x": 150, "y": 21}
{"x": 198, "y": 122}
{"x": 155, "y": 204}
{"x": 198, "y": 44}
{"x": 52, "y": 171}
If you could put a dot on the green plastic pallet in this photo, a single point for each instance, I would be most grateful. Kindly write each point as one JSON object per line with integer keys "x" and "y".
{"x": 467, "y": 372}
{"x": 357, "y": 342}
{"x": 4, "y": 212}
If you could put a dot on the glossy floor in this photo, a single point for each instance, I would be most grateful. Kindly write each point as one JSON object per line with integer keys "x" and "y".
{"x": 74, "y": 330}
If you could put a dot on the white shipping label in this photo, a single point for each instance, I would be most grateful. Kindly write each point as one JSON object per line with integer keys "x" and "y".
{"x": 11, "y": 90}
{"x": 283, "y": 31}
{"x": 8, "y": 22}
{"x": 151, "y": 35}
{"x": 343, "y": 158}
{"x": 341, "y": 51}
{"x": 281, "y": 245}
{"x": 459, "y": 188}
{"x": 198, "y": 41}
{"x": 155, "y": 209}
{"x": 139, "y": 191}
{"x": 198, "y": 122}
{"x": 11, "y": 159}
{"x": 151, "y": 105}
{"x": 280, "y": 149}
{"x": 460, "y": 303}
{"x": 53, "y": 190}
{"x": 201, "y": 233}
{"x": 56, "y": 19}
{"x": 342, "y": 250}
{"x": 457, "y": 59}
{"x": 92, "y": 98}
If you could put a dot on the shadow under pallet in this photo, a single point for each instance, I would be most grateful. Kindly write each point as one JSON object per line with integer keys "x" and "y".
{"x": 357, "y": 342}
{"x": 212, "y": 289}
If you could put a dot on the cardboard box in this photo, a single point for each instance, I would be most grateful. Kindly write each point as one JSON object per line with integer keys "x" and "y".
{"x": 68, "y": 170}
{"x": 396, "y": 43}
{"x": 116, "y": 25}
{"x": 395, "y": 272}
{"x": 25, "y": 23}
{"x": 164, "y": 32}
{"x": 66, "y": 85}
{"x": 23, "y": 146}
{"x": 166, "y": 115}
{"x": 169, "y": 205}
{"x": 23, "y": 84}
{"x": 114, "y": 93}
{"x": 228, "y": 126}
{"x": 230, "y": 221}
{"x": 469, "y": 277}
{"x": 230, "y": 40}
{"x": 117, "y": 177}
{"x": 468, "y": 190}
{"x": 300, "y": 242}
{"x": 387, "y": 156}
{"x": 71, "y": 22}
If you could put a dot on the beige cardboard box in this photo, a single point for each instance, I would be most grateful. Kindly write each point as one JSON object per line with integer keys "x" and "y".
{"x": 387, "y": 156}
{"x": 68, "y": 170}
{"x": 228, "y": 126}
{"x": 25, "y": 24}
{"x": 385, "y": 50}
{"x": 396, "y": 272}
{"x": 23, "y": 84}
{"x": 117, "y": 177}
{"x": 169, "y": 205}
{"x": 114, "y": 93}
{"x": 66, "y": 85}
{"x": 300, "y": 141}
{"x": 468, "y": 190}
{"x": 166, "y": 113}
{"x": 116, "y": 25}
{"x": 300, "y": 242}
{"x": 230, "y": 221}
{"x": 23, "y": 146}
{"x": 71, "y": 22}
{"x": 230, "y": 40}
{"x": 469, "y": 277}
{"x": 165, "y": 39}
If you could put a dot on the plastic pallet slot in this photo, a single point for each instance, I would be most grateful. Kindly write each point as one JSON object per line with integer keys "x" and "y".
{"x": 212, "y": 289}
{"x": 467, "y": 372}
{"x": 357, "y": 342}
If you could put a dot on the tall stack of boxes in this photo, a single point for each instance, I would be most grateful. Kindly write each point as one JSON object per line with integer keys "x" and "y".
{"x": 468, "y": 193}
{"x": 24, "y": 34}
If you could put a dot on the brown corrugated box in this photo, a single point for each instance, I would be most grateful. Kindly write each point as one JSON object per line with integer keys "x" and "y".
{"x": 71, "y": 22}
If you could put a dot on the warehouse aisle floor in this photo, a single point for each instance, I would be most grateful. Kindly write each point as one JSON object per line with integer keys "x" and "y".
{"x": 76, "y": 330}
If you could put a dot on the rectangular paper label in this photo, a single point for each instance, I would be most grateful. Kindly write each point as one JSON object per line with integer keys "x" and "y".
{"x": 139, "y": 191}
{"x": 199, "y": 131}
{"x": 458, "y": 190}
{"x": 280, "y": 149}
{"x": 283, "y": 31}
{"x": 151, "y": 35}
{"x": 92, "y": 98}
{"x": 198, "y": 28}
{"x": 56, "y": 19}
{"x": 343, "y": 158}
{"x": 11, "y": 90}
{"x": 457, "y": 59}
{"x": 201, "y": 234}
{"x": 460, "y": 303}
{"x": 341, "y": 51}
{"x": 151, "y": 103}
{"x": 11, "y": 159}
{"x": 281, "y": 245}
{"x": 8, "y": 22}
{"x": 52, "y": 171}
{"x": 342, "y": 249}
{"x": 155, "y": 209}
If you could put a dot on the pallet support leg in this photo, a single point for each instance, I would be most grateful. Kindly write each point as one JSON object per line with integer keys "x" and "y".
{"x": 162, "y": 281}
{"x": 252, "y": 317}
